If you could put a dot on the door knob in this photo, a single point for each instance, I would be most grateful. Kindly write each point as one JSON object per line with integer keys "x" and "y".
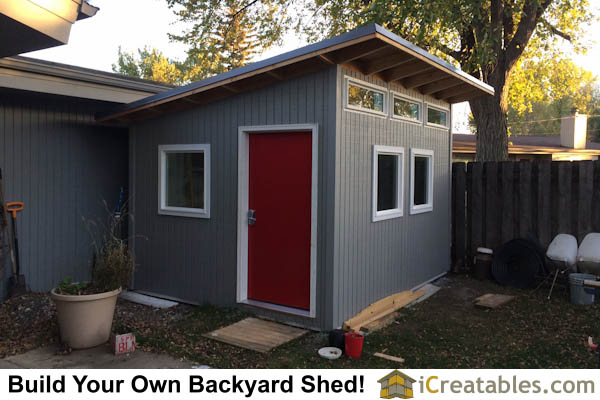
{"x": 251, "y": 217}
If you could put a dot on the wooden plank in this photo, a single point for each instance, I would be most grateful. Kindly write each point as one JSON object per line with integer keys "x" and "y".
{"x": 382, "y": 308}
{"x": 459, "y": 223}
{"x": 388, "y": 357}
{"x": 492, "y": 301}
{"x": 585, "y": 187}
{"x": 440, "y": 85}
{"x": 379, "y": 323}
{"x": 256, "y": 334}
{"x": 475, "y": 206}
{"x": 384, "y": 63}
{"x": 524, "y": 214}
{"x": 422, "y": 79}
{"x": 562, "y": 213}
{"x": 541, "y": 171}
{"x": 409, "y": 69}
{"x": 492, "y": 204}
{"x": 596, "y": 198}
{"x": 507, "y": 199}
{"x": 357, "y": 51}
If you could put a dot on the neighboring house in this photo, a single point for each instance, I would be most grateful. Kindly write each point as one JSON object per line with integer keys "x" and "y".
{"x": 59, "y": 161}
{"x": 570, "y": 145}
{"x": 28, "y": 25}
{"x": 305, "y": 186}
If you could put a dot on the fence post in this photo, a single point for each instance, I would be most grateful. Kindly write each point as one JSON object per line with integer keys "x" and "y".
{"x": 459, "y": 226}
{"x": 475, "y": 209}
{"x": 596, "y": 198}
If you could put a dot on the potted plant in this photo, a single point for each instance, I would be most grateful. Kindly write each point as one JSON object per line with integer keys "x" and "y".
{"x": 85, "y": 309}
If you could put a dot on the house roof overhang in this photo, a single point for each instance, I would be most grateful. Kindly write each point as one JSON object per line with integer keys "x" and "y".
{"x": 41, "y": 76}
{"x": 370, "y": 50}
{"x": 28, "y": 25}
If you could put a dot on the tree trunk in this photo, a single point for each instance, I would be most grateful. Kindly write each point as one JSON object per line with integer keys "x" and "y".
{"x": 490, "y": 114}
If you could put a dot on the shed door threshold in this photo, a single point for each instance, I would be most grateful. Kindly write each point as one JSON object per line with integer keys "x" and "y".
{"x": 276, "y": 307}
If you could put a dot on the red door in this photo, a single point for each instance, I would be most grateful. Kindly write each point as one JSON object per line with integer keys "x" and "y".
{"x": 279, "y": 239}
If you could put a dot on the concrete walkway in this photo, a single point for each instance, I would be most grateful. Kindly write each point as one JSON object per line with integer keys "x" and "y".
{"x": 97, "y": 357}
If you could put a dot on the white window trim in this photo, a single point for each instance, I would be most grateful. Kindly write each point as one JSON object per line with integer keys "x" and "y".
{"x": 398, "y": 211}
{"x": 370, "y": 86}
{"x": 439, "y": 108}
{"x": 244, "y": 133}
{"x": 402, "y": 96}
{"x": 163, "y": 209}
{"x": 421, "y": 208}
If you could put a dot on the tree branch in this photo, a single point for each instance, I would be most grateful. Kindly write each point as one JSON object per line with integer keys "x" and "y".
{"x": 555, "y": 30}
{"x": 531, "y": 14}
{"x": 456, "y": 54}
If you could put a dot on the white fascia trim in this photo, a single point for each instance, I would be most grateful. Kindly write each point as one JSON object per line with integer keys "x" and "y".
{"x": 163, "y": 208}
{"x": 398, "y": 211}
{"x": 421, "y": 208}
{"x": 366, "y": 85}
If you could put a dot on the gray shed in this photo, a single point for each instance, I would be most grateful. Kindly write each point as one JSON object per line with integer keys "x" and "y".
{"x": 305, "y": 186}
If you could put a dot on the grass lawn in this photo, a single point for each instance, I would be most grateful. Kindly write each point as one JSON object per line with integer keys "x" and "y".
{"x": 445, "y": 331}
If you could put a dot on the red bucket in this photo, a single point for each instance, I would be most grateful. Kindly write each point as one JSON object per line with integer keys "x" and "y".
{"x": 354, "y": 344}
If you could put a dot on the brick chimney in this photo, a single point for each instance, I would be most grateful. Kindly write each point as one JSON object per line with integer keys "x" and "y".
{"x": 573, "y": 130}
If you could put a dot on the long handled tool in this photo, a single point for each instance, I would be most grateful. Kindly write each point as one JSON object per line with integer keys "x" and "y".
{"x": 4, "y": 223}
{"x": 18, "y": 280}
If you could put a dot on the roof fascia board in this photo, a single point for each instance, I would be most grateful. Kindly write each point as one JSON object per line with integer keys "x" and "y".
{"x": 82, "y": 75}
{"x": 21, "y": 80}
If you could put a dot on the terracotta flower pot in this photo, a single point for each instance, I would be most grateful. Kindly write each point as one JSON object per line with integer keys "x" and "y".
{"x": 85, "y": 321}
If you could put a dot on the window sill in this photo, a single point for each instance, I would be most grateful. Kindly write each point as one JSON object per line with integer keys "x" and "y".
{"x": 405, "y": 119}
{"x": 366, "y": 111}
{"x": 437, "y": 126}
{"x": 421, "y": 209}
{"x": 190, "y": 213}
{"x": 387, "y": 214}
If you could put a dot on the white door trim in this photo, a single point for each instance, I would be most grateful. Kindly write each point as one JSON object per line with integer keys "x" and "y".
{"x": 243, "y": 189}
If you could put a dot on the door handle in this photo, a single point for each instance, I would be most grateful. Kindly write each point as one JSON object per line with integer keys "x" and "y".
{"x": 251, "y": 217}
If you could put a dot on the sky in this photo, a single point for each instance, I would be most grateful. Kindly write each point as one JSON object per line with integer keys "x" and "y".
{"x": 133, "y": 24}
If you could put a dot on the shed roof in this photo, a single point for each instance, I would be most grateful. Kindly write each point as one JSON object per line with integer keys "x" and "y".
{"x": 371, "y": 50}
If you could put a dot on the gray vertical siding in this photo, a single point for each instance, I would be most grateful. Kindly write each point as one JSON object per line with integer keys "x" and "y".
{"x": 376, "y": 259}
{"x": 195, "y": 259}
{"x": 61, "y": 165}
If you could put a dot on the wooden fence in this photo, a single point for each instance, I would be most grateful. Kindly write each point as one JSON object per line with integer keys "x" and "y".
{"x": 494, "y": 202}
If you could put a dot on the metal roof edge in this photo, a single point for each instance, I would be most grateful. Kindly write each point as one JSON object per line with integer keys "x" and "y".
{"x": 33, "y": 65}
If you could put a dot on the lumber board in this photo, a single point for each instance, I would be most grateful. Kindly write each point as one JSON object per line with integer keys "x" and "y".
{"x": 388, "y": 357}
{"x": 379, "y": 323}
{"x": 492, "y": 300}
{"x": 381, "y": 308}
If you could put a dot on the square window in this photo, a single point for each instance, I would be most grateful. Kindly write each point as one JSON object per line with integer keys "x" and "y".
{"x": 421, "y": 181}
{"x": 437, "y": 117}
{"x": 407, "y": 109}
{"x": 387, "y": 182}
{"x": 184, "y": 180}
{"x": 365, "y": 98}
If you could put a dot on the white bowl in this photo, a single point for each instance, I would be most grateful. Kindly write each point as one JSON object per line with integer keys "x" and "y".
{"x": 330, "y": 353}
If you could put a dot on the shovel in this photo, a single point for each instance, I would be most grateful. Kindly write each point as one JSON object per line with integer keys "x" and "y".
{"x": 17, "y": 281}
